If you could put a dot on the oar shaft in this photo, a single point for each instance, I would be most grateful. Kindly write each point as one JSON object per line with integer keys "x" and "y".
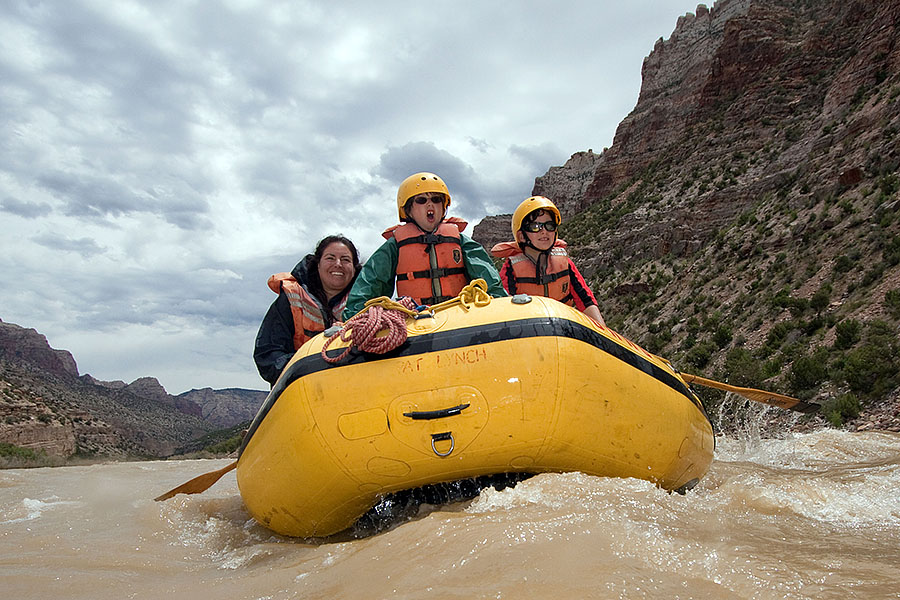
{"x": 762, "y": 396}
{"x": 198, "y": 484}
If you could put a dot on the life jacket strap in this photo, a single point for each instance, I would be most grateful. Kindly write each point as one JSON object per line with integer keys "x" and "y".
{"x": 431, "y": 274}
{"x": 429, "y": 239}
{"x": 436, "y": 300}
{"x": 546, "y": 278}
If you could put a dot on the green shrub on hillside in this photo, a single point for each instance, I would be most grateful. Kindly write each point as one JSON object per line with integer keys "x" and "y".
{"x": 808, "y": 371}
{"x": 783, "y": 300}
{"x": 843, "y": 264}
{"x": 873, "y": 367}
{"x": 892, "y": 303}
{"x": 820, "y": 299}
{"x": 225, "y": 446}
{"x": 891, "y": 251}
{"x": 13, "y": 451}
{"x": 813, "y": 325}
{"x": 872, "y": 275}
{"x": 700, "y": 355}
{"x": 693, "y": 324}
{"x": 889, "y": 185}
{"x": 722, "y": 336}
{"x": 847, "y": 333}
{"x": 841, "y": 409}
{"x": 13, "y": 457}
{"x": 659, "y": 335}
{"x": 772, "y": 367}
{"x": 742, "y": 369}
{"x": 776, "y": 337}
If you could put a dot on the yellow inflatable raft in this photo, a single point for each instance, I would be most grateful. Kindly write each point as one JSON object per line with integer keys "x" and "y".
{"x": 504, "y": 385}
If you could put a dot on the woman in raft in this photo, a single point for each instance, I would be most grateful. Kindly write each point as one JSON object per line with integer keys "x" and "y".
{"x": 310, "y": 299}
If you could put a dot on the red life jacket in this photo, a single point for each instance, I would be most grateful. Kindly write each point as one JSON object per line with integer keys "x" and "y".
{"x": 430, "y": 266}
{"x": 554, "y": 282}
{"x": 307, "y": 311}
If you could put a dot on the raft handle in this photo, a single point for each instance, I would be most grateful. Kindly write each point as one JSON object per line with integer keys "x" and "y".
{"x": 427, "y": 415}
{"x": 440, "y": 437}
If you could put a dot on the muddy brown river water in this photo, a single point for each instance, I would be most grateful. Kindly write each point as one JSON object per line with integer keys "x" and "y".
{"x": 814, "y": 515}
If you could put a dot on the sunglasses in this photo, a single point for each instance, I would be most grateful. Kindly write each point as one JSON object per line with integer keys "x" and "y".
{"x": 536, "y": 226}
{"x": 424, "y": 199}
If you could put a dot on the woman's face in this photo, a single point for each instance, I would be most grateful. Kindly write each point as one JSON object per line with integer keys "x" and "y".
{"x": 335, "y": 268}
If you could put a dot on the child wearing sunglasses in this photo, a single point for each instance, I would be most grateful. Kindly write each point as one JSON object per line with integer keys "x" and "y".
{"x": 427, "y": 255}
{"x": 537, "y": 262}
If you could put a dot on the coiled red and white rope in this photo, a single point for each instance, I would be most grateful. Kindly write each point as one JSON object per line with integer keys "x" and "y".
{"x": 362, "y": 329}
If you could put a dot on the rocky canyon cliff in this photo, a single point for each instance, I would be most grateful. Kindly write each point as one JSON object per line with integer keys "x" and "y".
{"x": 46, "y": 407}
{"x": 744, "y": 221}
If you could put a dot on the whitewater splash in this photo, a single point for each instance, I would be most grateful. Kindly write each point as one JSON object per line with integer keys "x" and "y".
{"x": 32, "y": 509}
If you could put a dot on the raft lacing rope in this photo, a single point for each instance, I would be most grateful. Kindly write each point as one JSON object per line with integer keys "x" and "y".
{"x": 475, "y": 293}
{"x": 382, "y": 313}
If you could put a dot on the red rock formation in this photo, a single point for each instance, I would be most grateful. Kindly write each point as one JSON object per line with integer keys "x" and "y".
{"x": 758, "y": 92}
{"x": 758, "y": 169}
{"x": 27, "y": 344}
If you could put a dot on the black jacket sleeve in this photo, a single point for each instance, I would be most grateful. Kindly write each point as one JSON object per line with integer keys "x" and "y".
{"x": 275, "y": 341}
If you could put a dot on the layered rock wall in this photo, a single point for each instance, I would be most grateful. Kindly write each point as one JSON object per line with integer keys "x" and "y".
{"x": 47, "y": 407}
{"x": 741, "y": 99}
{"x": 225, "y": 408}
{"x": 27, "y": 344}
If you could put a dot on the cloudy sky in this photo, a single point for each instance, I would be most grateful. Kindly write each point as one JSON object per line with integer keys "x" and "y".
{"x": 160, "y": 159}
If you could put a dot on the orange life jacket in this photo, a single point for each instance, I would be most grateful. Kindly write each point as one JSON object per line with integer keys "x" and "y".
{"x": 554, "y": 282}
{"x": 308, "y": 312}
{"x": 430, "y": 266}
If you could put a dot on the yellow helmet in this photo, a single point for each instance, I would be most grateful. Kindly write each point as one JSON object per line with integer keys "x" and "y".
{"x": 530, "y": 205}
{"x": 419, "y": 184}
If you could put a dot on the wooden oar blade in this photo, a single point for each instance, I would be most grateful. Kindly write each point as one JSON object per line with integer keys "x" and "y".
{"x": 773, "y": 399}
{"x": 198, "y": 484}
{"x": 770, "y": 398}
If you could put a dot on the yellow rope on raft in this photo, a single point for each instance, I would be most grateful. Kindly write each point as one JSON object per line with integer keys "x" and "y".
{"x": 387, "y": 304}
{"x": 474, "y": 293}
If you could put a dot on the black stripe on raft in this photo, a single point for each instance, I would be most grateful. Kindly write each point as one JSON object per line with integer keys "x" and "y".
{"x": 474, "y": 336}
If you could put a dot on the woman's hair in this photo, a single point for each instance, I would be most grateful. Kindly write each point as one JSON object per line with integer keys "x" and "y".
{"x": 315, "y": 284}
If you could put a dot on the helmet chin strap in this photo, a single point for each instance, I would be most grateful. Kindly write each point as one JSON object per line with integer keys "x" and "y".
{"x": 528, "y": 243}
